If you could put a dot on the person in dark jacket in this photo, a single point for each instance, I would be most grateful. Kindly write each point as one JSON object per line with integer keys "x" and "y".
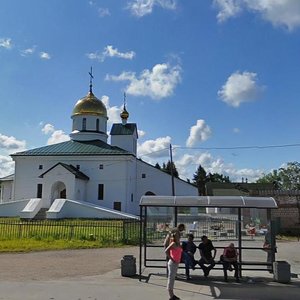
{"x": 207, "y": 260}
{"x": 189, "y": 249}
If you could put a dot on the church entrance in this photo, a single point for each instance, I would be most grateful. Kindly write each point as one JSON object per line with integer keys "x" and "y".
{"x": 58, "y": 190}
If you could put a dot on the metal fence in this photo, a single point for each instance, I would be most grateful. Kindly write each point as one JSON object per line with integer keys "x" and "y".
{"x": 114, "y": 231}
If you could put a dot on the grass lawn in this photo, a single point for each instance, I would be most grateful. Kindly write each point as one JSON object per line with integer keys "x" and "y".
{"x": 27, "y": 245}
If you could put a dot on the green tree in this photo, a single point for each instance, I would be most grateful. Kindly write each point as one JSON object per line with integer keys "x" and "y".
{"x": 287, "y": 178}
{"x": 168, "y": 168}
{"x": 216, "y": 177}
{"x": 157, "y": 166}
{"x": 200, "y": 178}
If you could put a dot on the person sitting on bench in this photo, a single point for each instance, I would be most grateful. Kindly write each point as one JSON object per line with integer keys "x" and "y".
{"x": 229, "y": 259}
{"x": 207, "y": 258}
{"x": 189, "y": 249}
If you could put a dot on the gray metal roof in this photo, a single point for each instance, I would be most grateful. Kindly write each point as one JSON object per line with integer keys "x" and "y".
{"x": 8, "y": 178}
{"x": 209, "y": 201}
{"x": 75, "y": 148}
{"x": 70, "y": 168}
{"x": 126, "y": 129}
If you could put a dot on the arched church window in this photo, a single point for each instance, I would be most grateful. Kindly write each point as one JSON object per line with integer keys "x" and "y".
{"x": 97, "y": 125}
{"x": 84, "y": 124}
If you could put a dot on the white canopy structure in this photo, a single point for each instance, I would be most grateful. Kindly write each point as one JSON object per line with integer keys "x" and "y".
{"x": 209, "y": 201}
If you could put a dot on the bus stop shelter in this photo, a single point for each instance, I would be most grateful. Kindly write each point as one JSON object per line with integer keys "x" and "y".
{"x": 222, "y": 218}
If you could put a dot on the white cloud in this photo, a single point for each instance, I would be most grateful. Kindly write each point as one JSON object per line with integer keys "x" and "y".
{"x": 227, "y": 9}
{"x": 284, "y": 13}
{"x": 5, "y": 43}
{"x": 44, "y": 55}
{"x": 6, "y": 166}
{"x": 141, "y": 133}
{"x": 154, "y": 148}
{"x": 157, "y": 83}
{"x": 240, "y": 88}
{"x": 236, "y": 130}
{"x": 141, "y": 8}
{"x": 187, "y": 165}
{"x": 198, "y": 133}
{"x": 113, "y": 112}
{"x": 103, "y": 12}
{"x": 28, "y": 51}
{"x": 57, "y": 136}
{"x": 110, "y": 51}
{"x": 10, "y": 143}
{"x": 48, "y": 128}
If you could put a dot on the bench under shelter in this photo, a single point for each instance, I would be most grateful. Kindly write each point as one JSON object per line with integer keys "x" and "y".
{"x": 244, "y": 220}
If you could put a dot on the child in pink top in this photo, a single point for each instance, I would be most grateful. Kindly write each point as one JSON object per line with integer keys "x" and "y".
{"x": 173, "y": 252}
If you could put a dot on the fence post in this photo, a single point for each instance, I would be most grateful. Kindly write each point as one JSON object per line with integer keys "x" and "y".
{"x": 71, "y": 232}
{"x": 20, "y": 230}
{"x": 124, "y": 232}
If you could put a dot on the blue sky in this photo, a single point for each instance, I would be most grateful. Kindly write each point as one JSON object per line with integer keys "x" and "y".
{"x": 202, "y": 75}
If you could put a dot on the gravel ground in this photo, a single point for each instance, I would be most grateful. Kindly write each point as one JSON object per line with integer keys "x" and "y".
{"x": 54, "y": 265}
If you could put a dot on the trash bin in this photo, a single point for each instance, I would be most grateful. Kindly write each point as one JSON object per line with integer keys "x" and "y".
{"x": 128, "y": 266}
{"x": 282, "y": 271}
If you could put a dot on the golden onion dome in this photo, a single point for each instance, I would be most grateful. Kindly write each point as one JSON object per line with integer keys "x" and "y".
{"x": 124, "y": 114}
{"x": 90, "y": 105}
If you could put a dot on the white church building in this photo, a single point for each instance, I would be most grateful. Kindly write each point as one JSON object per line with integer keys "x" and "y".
{"x": 86, "y": 177}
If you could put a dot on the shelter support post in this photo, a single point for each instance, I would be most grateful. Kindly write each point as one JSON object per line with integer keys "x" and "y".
{"x": 239, "y": 229}
{"x": 141, "y": 243}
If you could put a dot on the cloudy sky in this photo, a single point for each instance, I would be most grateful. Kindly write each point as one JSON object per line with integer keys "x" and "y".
{"x": 217, "y": 79}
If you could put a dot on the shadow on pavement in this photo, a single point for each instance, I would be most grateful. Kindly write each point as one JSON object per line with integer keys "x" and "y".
{"x": 249, "y": 288}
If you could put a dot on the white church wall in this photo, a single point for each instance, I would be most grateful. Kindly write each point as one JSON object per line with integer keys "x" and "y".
{"x": 6, "y": 191}
{"x": 113, "y": 177}
{"x": 90, "y": 122}
{"x": 59, "y": 176}
{"x": 150, "y": 179}
{"x": 126, "y": 142}
{"x": 26, "y": 177}
{"x": 12, "y": 208}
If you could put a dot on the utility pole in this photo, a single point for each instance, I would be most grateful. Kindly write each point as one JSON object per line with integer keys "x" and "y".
{"x": 172, "y": 171}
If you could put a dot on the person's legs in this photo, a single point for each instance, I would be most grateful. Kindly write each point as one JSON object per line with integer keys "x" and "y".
{"x": 172, "y": 270}
{"x": 236, "y": 270}
{"x": 225, "y": 267}
{"x": 187, "y": 262}
{"x": 211, "y": 265}
{"x": 203, "y": 267}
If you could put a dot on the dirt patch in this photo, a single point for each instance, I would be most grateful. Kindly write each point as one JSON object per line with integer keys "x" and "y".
{"x": 51, "y": 265}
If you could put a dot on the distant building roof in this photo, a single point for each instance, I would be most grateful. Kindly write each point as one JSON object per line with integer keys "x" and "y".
{"x": 70, "y": 168}
{"x": 75, "y": 148}
{"x": 126, "y": 129}
{"x": 8, "y": 178}
{"x": 236, "y": 188}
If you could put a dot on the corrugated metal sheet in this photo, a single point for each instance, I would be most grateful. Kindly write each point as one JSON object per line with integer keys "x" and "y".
{"x": 75, "y": 148}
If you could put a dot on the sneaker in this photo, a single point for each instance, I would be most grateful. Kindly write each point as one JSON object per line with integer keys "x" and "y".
{"x": 237, "y": 280}
{"x": 188, "y": 278}
{"x": 175, "y": 298}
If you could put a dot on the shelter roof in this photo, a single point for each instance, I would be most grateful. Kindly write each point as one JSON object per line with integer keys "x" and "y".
{"x": 209, "y": 201}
